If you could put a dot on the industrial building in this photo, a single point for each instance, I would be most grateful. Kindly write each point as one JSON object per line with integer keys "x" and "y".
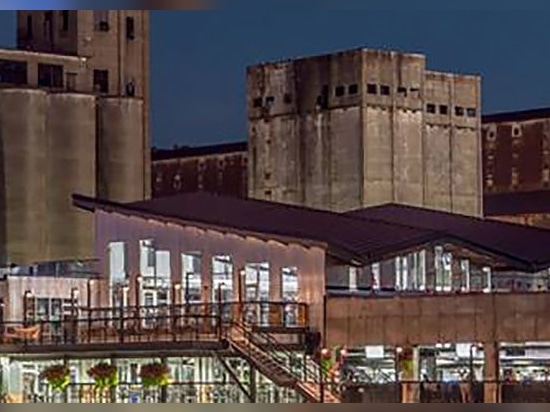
{"x": 249, "y": 301}
{"x": 362, "y": 128}
{"x": 516, "y": 153}
{"x": 347, "y": 130}
{"x": 73, "y": 118}
{"x": 220, "y": 169}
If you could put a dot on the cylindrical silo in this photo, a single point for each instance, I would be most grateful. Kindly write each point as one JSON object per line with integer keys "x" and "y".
{"x": 70, "y": 168}
{"x": 121, "y": 149}
{"x": 23, "y": 183}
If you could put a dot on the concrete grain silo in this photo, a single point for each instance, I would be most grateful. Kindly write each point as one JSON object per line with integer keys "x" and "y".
{"x": 71, "y": 129}
{"x": 23, "y": 154}
{"x": 120, "y": 149}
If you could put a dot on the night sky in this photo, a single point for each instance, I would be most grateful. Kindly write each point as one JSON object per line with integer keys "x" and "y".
{"x": 199, "y": 58}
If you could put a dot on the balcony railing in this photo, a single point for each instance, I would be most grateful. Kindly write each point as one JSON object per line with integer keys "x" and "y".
{"x": 135, "y": 324}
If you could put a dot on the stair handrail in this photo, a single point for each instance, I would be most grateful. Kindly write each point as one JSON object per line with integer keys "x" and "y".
{"x": 275, "y": 348}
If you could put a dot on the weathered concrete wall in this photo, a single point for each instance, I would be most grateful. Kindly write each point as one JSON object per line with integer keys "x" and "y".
{"x": 310, "y": 261}
{"x": 507, "y": 317}
{"x": 22, "y": 180}
{"x": 71, "y": 168}
{"x": 361, "y": 125}
{"x": 119, "y": 152}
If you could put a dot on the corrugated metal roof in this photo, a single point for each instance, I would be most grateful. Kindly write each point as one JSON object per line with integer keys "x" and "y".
{"x": 360, "y": 240}
{"x": 364, "y": 235}
{"x": 530, "y": 245}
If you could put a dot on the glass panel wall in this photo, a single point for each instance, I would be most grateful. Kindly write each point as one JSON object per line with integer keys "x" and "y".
{"x": 256, "y": 293}
{"x": 222, "y": 284}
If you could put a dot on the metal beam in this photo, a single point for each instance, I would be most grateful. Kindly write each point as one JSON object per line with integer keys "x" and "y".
{"x": 235, "y": 379}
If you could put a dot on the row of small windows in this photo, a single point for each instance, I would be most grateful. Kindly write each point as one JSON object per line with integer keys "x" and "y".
{"x": 101, "y": 23}
{"x": 53, "y": 76}
{"x": 444, "y": 110}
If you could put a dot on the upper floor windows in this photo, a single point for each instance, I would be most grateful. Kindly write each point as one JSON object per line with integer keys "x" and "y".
{"x": 130, "y": 28}
{"x": 64, "y": 14}
{"x": 50, "y": 75}
{"x": 101, "y": 20}
{"x": 13, "y": 72}
{"x": 101, "y": 81}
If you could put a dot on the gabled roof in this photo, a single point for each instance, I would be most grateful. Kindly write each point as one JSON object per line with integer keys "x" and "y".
{"x": 365, "y": 235}
{"x": 524, "y": 244}
{"x": 345, "y": 236}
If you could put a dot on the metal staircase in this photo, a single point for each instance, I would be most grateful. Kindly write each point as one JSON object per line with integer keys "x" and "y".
{"x": 272, "y": 360}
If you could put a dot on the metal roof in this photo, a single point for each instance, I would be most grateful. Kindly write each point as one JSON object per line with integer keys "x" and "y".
{"x": 529, "y": 246}
{"x": 345, "y": 236}
{"x": 364, "y": 235}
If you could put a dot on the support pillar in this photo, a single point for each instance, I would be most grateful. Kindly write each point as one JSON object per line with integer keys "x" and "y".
{"x": 253, "y": 384}
{"x": 408, "y": 364}
{"x": 491, "y": 373}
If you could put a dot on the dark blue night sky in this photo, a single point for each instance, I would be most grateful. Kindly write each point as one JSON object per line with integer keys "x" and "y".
{"x": 199, "y": 58}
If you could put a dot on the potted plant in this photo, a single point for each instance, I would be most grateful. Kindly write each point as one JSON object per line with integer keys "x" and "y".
{"x": 154, "y": 374}
{"x": 57, "y": 376}
{"x": 105, "y": 375}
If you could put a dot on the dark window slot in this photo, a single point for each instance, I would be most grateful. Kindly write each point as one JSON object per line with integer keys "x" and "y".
{"x": 459, "y": 111}
{"x": 372, "y": 89}
{"x": 430, "y": 108}
{"x": 101, "y": 20}
{"x": 30, "y": 31}
{"x": 385, "y": 90}
{"x": 257, "y": 103}
{"x": 101, "y": 81}
{"x": 50, "y": 75}
{"x": 65, "y": 20}
{"x": 340, "y": 91}
{"x": 353, "y": 89}
{"x": 13, "y": 72}
{"x": 443, "y": 109}
{"x": 471, "y": 112}
{"x": 130, "y": 28}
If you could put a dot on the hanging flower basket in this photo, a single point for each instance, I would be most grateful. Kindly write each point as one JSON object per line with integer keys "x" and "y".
{"x": 154, "y": 374}
{"x": 57, "y": 376}
{"x": 104, "y": 375}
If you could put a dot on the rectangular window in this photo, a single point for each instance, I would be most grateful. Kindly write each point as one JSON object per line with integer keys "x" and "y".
{"x": 147, "y": 258}
{"x": 101, "y": 20}
{"x": 30, "y": 31}
{"x": 48, "y": 26}
{"x": 471, "y": 112}
{"x": 163, "y": 273}
{"x": 191, "y": 278}
{"x": 13, "y": 72}
{"x": 117, "y": 262}
{"x": 353, "y": 89}
{"x": 353, "y": 279}
{"x": 443, "y": 109}
{"x": 130, "y": 28}
{"x": 385, "y": 90}
{"x": 50, "y": 75}
{"x": 101, "y": 81}
{"x": 339, "y": 91}
{"x": 430, "y": 108}
{"x": 372, "y": 89}
{"x": 459, "y": 111}
{"x": 64, "y": 20}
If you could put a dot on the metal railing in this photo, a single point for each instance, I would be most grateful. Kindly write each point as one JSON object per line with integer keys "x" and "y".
{"x": 136, "y": 324}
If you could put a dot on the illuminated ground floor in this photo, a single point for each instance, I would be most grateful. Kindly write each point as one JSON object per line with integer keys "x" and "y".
{"x": 444, "y": 373}
{"x": 197, "y": 379}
